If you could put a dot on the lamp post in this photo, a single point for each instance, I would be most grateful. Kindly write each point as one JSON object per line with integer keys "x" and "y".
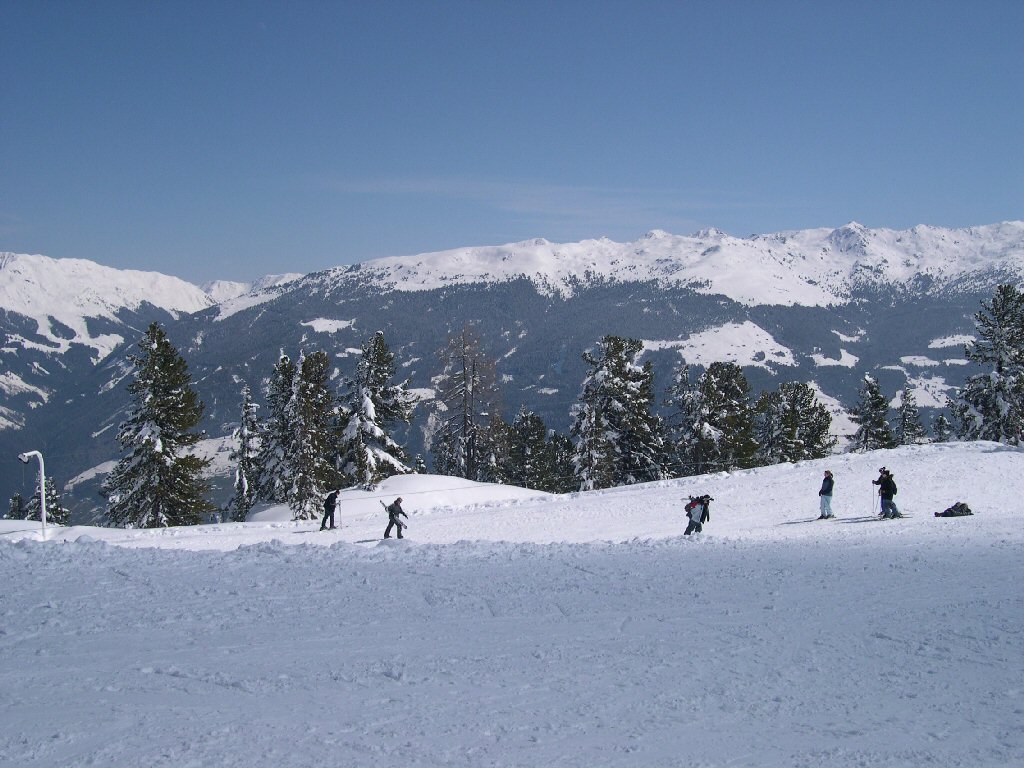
{"x": 23, "y": 458}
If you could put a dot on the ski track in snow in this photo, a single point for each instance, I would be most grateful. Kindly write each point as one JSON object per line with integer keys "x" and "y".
{"x": 769, "y": 640}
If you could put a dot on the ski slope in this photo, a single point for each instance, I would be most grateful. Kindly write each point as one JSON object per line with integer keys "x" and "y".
{"x": 521, "y": 629}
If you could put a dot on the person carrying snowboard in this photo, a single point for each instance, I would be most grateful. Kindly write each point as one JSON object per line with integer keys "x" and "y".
{"x": 698, "y": 510}
{"x": 825, "y": 496}
{"x": 887, "y": 489}
{"x": 329, "y": 505}
{"x": 394, "y": 511}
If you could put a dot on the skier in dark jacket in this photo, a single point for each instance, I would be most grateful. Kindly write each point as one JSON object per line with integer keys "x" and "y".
{"x": 825, "y": 496}
{"x": 394, "y": 511}
{"x": 330, "y": 503}
{"x": 887, "y": 489}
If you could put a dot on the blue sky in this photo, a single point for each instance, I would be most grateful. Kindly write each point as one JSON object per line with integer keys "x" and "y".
{"x": 235, "y": 139}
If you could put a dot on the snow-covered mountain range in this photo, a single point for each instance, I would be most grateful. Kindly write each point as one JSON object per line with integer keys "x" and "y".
{"x": 824, "y": 306}
{"x": 811, "y": 268}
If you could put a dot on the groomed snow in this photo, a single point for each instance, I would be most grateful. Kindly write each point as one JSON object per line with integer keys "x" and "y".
{"x": 513, "y": 628}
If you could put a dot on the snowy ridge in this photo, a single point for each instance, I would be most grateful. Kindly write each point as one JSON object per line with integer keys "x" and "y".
{"x": 814, "y": 267}
{"x": 574, "y": 631}
{"x": 69, "y": 291}
{"x": 225, "y": 290}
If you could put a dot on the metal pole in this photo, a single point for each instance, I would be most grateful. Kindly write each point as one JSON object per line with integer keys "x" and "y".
{"x": 24, "y": 457}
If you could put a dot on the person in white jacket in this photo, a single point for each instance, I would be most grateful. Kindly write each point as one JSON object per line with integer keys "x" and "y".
{"x": 698, "y": 510}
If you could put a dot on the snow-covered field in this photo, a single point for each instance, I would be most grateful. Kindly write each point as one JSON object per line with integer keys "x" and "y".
{"x": 517, "y": 629}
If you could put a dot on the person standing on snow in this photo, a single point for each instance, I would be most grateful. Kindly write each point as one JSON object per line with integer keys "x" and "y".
{"x": 825, "y": 496}
{"x": 329, "y": 505}
{"x": 394, "y": 510}
{"x": 887, "y": 489}
{"x": 698, "y": 510}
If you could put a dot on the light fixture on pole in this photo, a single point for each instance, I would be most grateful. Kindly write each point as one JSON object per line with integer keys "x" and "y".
{"x": 23, "y": 458}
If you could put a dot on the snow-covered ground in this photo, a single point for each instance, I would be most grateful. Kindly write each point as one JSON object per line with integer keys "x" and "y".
{"x": 514, "y": 628}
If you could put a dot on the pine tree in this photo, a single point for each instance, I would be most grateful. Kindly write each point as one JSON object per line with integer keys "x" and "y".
{"x": 991, "y": 405}
{"x": 16, "y": 509}
{"x": 373, "y": 406}
{"x": 619, "y": 440}
{"x": 158, "y": 482}
{"x": 245, "y": 456}
{"x": 274, "y": 462}
{"x": 871, "y": 417}
{"x": 726, "y": 435}
{"x": 530, "y": 455}
{"x": 791, "y": 425}
{"x": 942, "y": 430}
{"x": 908, "y": 429}
{"x": 467, "y": 398}
{"x": 56, "y": 512}
{"x": 494, "y": 450}
{"x": 310, "y": 412}
{"x": 563, "y": 477}
{"x": 690, "y": 436}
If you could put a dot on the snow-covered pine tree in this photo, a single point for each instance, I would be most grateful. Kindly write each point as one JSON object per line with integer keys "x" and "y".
{"x": 791, "y": 425}
{"x": 467, "y": 397}
{"x": 594, "y": 451}
{"x": 908, "y": 429}
{"x": 494, "y": 449}
{"x": 690, "y": 437}
{"x": 245, "y": 456}
{"x": 274, "y": 463}
{"x": 770, "y": 431}
{"x": 871, "y": 415}
{"x": 16, "y": 509}
{"x": 310, "y": 412}
{"x": 619, "y": 439}
{"x": 990, "y": 406}
{"x": 56, "y": 512}
{"x": 158, "y": 482}
{"x": 373, "y": 406}
{"x": 530, "y": 454}
{"x": 942, "y": 430}
{"x": 563, "y": 477}
{"x": 728, "y": 430}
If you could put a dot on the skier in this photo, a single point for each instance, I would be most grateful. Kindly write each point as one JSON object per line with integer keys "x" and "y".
{"x": 394, "y": 510}
{"x": 825, "y": 496}
{"x": 698, "y": 510}
{"x": 887, "y": 489}
{"x": 329, "y": 505}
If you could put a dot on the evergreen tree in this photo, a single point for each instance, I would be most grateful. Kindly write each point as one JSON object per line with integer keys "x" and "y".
{"x": 56, "y": 512}
{"x": 725, "y": 398}
{"x": 158, "y": 482}
{"x": 310, "y": 412}
{"x": 495, "y": 452}
{"x": 372, "y": 407}
{"x": 908, "y": 429}
{"x": 942, "y": 430}
{"x": 563, "y": 475}
{"x": 619, "y": 440}
{"x": 16, "y": 510}
{"x": 991, "y": 405}
{"x": 871, "y": 417}
{"x": 419, "y": 465}
{"x": 530, "y": 455}
{"x": 245, "y": 456}
{"x": 274, "y": 462}
{"x": 791, "y": 425}
{"x": 690, "y": 436}
{"x": 467, "y": 399}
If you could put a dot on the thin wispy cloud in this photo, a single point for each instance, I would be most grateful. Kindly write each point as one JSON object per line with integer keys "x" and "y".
{"x": 595, "y": 209}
